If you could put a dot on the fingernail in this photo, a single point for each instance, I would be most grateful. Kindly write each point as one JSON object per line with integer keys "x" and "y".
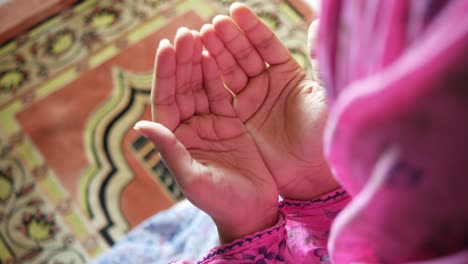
{"x": 205, "y": 26}
{"x": 218, "y": 18}
{"x": 137, "y": 127}
{"x": 235, "y": 5}
{"x": 195, "y": 33}
{"x": 164, "y": 43}
{"x": 182, "y": 30}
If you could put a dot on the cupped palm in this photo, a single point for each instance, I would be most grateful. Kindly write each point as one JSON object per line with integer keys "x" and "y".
{"x": 205, "y": 144}
{"x": 282, "y": 109}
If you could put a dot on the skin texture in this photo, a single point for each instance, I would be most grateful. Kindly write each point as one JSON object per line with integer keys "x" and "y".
{"x": 204, "y": 143}
{"x": 239, "y": 123}
{"x": 283, "y": 110}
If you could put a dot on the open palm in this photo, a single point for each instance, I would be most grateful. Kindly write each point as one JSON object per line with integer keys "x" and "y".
{"x": 205, "y": 144}
{"x": 282, "y": 109}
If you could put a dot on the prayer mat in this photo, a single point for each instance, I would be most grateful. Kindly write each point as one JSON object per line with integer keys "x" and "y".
{"x": 74, "y": 176}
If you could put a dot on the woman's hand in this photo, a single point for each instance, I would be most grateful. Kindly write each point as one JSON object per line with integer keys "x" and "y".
{"x": 283, "y": 110}
{"x": 205, "y": 144}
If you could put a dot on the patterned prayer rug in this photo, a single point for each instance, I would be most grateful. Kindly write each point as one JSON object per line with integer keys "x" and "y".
{"x": 74, "y": 177}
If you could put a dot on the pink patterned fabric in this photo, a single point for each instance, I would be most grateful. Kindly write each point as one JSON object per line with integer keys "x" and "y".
{"x": 300, "y": 236}
{"x": 397, "y": 76}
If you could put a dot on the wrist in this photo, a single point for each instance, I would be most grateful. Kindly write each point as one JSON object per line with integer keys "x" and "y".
{"x": 309, "y": 183}
{"x": 229, "y": 230}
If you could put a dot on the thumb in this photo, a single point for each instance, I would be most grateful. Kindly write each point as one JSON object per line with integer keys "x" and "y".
{"x": 176, "y": 157}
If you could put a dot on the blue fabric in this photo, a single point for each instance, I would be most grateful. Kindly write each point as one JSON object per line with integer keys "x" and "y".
{"x": 181, "y": 232}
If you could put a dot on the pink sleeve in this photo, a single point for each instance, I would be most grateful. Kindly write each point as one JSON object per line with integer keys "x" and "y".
{"x": 300, "y": 236}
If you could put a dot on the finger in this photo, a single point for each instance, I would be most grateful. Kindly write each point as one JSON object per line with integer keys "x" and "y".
{"x": 251, "y": 98}
{"x": 184, "y": 45}
{"x": 164, "y": 106}
{"x": 312, "y": 45}
{"x": 199, "y": 95}
{"x": 219, "y": 98}
{"x": 176, "y": 157}
{"x": 239, "y": 46}
{"x": 233, "y": 75}
{"x": 312, "y": 37}
{"x": 263, "y": 39}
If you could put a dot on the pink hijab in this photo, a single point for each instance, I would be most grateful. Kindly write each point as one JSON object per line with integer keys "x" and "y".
{"x": 396, "y": 72}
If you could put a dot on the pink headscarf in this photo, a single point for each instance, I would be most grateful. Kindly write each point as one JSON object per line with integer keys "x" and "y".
{"x": 396, "y": 72}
